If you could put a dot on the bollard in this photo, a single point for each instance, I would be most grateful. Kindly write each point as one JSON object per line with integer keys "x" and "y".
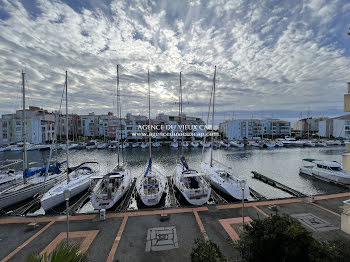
{"x": 103, "y": 214}
{"x": 311, "y": 198}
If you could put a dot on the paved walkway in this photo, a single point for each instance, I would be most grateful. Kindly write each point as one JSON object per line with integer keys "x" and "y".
{"x": 163, "y": 235}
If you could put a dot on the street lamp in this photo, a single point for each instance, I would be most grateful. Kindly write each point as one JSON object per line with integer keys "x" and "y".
{"x": 242, "y": 183}
{"x": 66, "y": 194}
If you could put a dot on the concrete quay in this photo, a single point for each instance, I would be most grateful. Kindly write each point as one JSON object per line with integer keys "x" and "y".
{"x": 166, "y": 234}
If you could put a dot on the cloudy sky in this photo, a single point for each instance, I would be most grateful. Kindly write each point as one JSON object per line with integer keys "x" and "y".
{"x": 273, "y": 58}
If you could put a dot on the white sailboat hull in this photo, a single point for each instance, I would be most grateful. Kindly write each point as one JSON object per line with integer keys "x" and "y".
{"x": 194, "y": 144}
{"x": 185, "y": 144}
{"x": 234, "y": 144}
{"x": 102, "y": 146}
{"x": 196, "y": 197}
{"x": 21, "y": 192}
{"x": 11, "y": 178}
{"x": 174, "y": 144}
{"x": 78, "y": 183}
{"x": 229, "y": 186}
{"x": 100, "y": 198}
{"x": 155, "y": 144}
{"x": 151, "y": 196}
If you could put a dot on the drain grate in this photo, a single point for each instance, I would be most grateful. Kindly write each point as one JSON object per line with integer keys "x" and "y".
{"x": 161, "y": 238}
{"x": 313, "y": 222}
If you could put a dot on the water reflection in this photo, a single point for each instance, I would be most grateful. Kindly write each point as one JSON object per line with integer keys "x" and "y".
{"x": 281, "y": 164}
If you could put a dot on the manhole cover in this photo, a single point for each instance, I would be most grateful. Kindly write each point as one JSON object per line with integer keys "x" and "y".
{"x": 314, "y": 222}
{"x": 161, "y": 238}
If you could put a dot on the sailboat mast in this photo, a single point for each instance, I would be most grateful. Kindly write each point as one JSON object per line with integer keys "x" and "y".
{"x": 118, "y": 115}
{"x": 212, "y": 125}
{"x": 67, "y": 138}
{"x": 149, "y": 117}
{"x": 180, "y": 116}
{"x": 24, "y": 129}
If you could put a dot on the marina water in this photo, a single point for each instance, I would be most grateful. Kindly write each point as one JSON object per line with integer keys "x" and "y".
{"x": 280, "y": 164}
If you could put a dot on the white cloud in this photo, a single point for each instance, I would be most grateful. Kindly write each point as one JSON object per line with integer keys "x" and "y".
{"x": 269, "y": 56}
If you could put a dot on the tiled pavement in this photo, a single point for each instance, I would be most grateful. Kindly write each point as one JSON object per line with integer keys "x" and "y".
{"x": 144, "y": 236}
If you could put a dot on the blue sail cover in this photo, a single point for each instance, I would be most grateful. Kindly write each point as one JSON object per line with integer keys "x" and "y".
{"x": 149, "y": 166}
{"x": 52, "y": 169}
{"x": 184, "y": 163}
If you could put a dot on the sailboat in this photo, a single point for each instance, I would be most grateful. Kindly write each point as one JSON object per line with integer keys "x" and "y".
{"x": 34, "y": 181}
{"x": 135, "y": 144}
{"x": 205, "y": 144}
{"x": 236, "y": 144}
{"x": 123, "y": 145}
{"x": 9, "y": 176}
{"x": 174, "y": 143}
{"x": 111, "y": 187}
{"x": 194, "y": 143}
{"x": 188, "y": 181}
{"x": 151, "y": 185}
{"x": 102, "y": 146}
{"x": 113, "y": 145}
{"x": 92, "y": 144}
{"x": 219, "y": 178}
{"x": 78, "y": 178}
{"x": 144, "y": 145}
{"x": 156, "y": 144}
{"x": 222, "y": 143}
{"x": 184, "y": 144}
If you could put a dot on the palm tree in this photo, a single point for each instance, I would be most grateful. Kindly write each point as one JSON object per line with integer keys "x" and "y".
{"x": 62, "y": 253}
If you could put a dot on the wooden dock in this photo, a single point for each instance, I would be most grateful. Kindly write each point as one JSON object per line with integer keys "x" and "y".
{"x": 173, "y": 201}
{"x": 278, "y": 185}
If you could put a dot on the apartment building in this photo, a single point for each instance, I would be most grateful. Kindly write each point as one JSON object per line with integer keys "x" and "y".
{"x": 335, "y": 127}
{"x": 195, "y": 124}
{"x": 43, "y": 125}
{"x": 308, "y": 125}
{"x": 251, "y": 128}
{"x": 40, "y": 126}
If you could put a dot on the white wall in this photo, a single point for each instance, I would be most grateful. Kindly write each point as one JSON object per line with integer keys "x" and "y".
{"x": 338, "y": 128}
{"x": 322, "y": 128}
{"x": 36, "y": 134}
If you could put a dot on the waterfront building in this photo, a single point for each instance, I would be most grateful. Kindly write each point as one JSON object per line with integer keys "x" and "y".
{"x": 133, "y": 122}
{"x": 308, "y": 126}
{"x": 335, "y": 127}
{"x": 195, "y": 124}
{"x": 103, "y": 121}
{"x": 73, "y": 126}
{"x": 88, "y": 125}
{"x": 40, "y": 126}
{"x": 346, "y": 155}
{"x": 251, "y": 128}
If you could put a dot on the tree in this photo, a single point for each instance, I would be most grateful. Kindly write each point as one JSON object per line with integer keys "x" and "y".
{"x": 283, "y": 238}
{"x": 62, "y": 253}
{"x": 206, "y": 251}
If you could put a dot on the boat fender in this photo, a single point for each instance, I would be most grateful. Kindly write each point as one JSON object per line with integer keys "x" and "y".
{"x": 123, "y": 188}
